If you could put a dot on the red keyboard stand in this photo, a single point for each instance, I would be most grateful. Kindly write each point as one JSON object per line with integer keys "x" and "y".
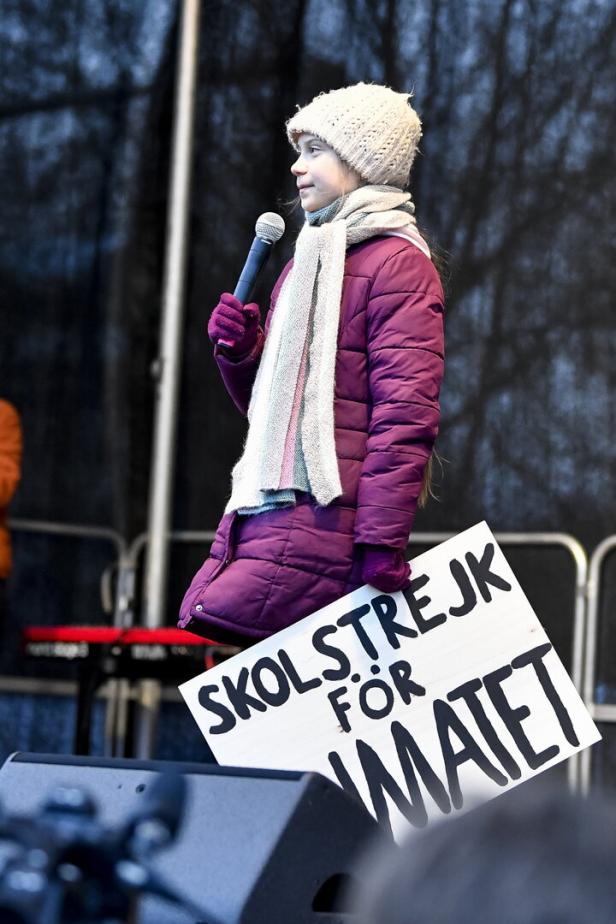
{"x": 101, "y": 653}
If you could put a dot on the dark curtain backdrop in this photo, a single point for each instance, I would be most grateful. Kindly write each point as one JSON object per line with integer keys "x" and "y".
{"x": 515, "y": 185}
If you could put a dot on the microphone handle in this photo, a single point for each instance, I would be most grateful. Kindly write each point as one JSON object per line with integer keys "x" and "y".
{"x": 255, "y": 261}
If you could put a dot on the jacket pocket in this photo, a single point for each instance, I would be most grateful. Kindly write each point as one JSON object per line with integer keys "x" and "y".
{"x": 191, "y": 608}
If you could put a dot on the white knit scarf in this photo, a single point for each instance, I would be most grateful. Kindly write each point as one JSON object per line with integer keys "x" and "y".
{"x": 306, "y": 319}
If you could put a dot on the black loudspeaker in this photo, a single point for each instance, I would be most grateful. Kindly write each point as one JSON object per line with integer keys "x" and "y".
{"x": 254, "y": 846}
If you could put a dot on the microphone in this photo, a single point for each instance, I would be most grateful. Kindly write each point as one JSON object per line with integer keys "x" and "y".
{"x": 269, "y": 228}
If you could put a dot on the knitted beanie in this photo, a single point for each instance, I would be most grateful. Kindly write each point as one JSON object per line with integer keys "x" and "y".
{"x": 372, "y": 128}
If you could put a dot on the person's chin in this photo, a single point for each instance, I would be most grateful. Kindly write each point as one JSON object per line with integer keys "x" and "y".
{"x": 313, "y": 204}
{"x": 309, "y": 204}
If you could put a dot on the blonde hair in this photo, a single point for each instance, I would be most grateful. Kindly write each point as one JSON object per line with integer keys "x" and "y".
{"x": 428, "y": 479}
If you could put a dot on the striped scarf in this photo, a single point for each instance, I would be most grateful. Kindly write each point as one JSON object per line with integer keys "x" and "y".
{"x": 290, "y": 443}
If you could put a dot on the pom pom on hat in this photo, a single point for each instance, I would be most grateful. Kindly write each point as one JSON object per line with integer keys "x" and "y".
{"x": 371, "y": 127}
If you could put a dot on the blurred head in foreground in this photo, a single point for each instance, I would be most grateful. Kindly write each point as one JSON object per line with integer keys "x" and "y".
{"x": 531, "y": 856}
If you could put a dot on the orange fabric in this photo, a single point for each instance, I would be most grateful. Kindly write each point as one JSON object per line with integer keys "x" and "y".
{"x": 10, "y": 473}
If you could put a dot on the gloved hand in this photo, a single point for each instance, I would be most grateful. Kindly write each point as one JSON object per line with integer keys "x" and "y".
{"x": 233, "y": 325}
{"x": 385, "y": 568}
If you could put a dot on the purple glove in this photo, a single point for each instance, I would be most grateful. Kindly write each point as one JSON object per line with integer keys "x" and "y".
{"x": 234, "y": 326}
{"x": 385, "y": 568}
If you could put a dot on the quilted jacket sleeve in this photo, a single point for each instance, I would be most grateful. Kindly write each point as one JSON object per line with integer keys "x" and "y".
{"x": 405, "y": 369}
{"x": 239, "y": 374}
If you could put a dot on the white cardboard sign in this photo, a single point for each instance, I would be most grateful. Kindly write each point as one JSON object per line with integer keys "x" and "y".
{"x": 421, "y": 702}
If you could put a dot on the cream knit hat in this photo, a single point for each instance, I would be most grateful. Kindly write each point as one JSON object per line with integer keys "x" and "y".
{"x": 371, "y": 127}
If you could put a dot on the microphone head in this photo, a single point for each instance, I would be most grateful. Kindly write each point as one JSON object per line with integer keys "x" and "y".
{"x": 269, "y": 227}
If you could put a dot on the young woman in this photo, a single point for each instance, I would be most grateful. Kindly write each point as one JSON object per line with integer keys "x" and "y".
{"x": 341, "y": 387}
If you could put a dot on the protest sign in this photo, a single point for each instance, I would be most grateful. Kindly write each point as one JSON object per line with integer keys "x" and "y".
{"x": 420, "y": 702}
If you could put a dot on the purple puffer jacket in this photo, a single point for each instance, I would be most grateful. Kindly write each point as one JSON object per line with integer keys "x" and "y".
{"x": 267, "y": 571}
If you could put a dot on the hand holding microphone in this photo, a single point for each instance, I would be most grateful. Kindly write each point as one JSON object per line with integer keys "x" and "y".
{"x": 234, "y": 324}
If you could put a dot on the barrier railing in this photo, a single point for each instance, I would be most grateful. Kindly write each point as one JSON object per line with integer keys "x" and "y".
{"x": 557, "y": 540}
{"x": 69, "y": 529}
{"x": 583, "y": 653}
{"x": 129, "y": 567}
{"x": 25, "y": 685}
{"x": 76, "y": 531}
{"x": 601, "y": 712}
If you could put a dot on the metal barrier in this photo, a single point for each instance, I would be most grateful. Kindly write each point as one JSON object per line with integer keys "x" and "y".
{"x": 148, "y": 693}
{"x": 25, "y": 685}
{"x": 118, "y": 692}
{"x": 558, "y": 540}
{"x": 601, "y": 712}
{"x": 129, "y": 565}
{"x": 70, "y": 530}
{"x": 580, "y": 560}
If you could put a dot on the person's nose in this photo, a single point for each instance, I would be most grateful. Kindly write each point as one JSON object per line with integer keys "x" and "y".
{"x": 299, "y": 167}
